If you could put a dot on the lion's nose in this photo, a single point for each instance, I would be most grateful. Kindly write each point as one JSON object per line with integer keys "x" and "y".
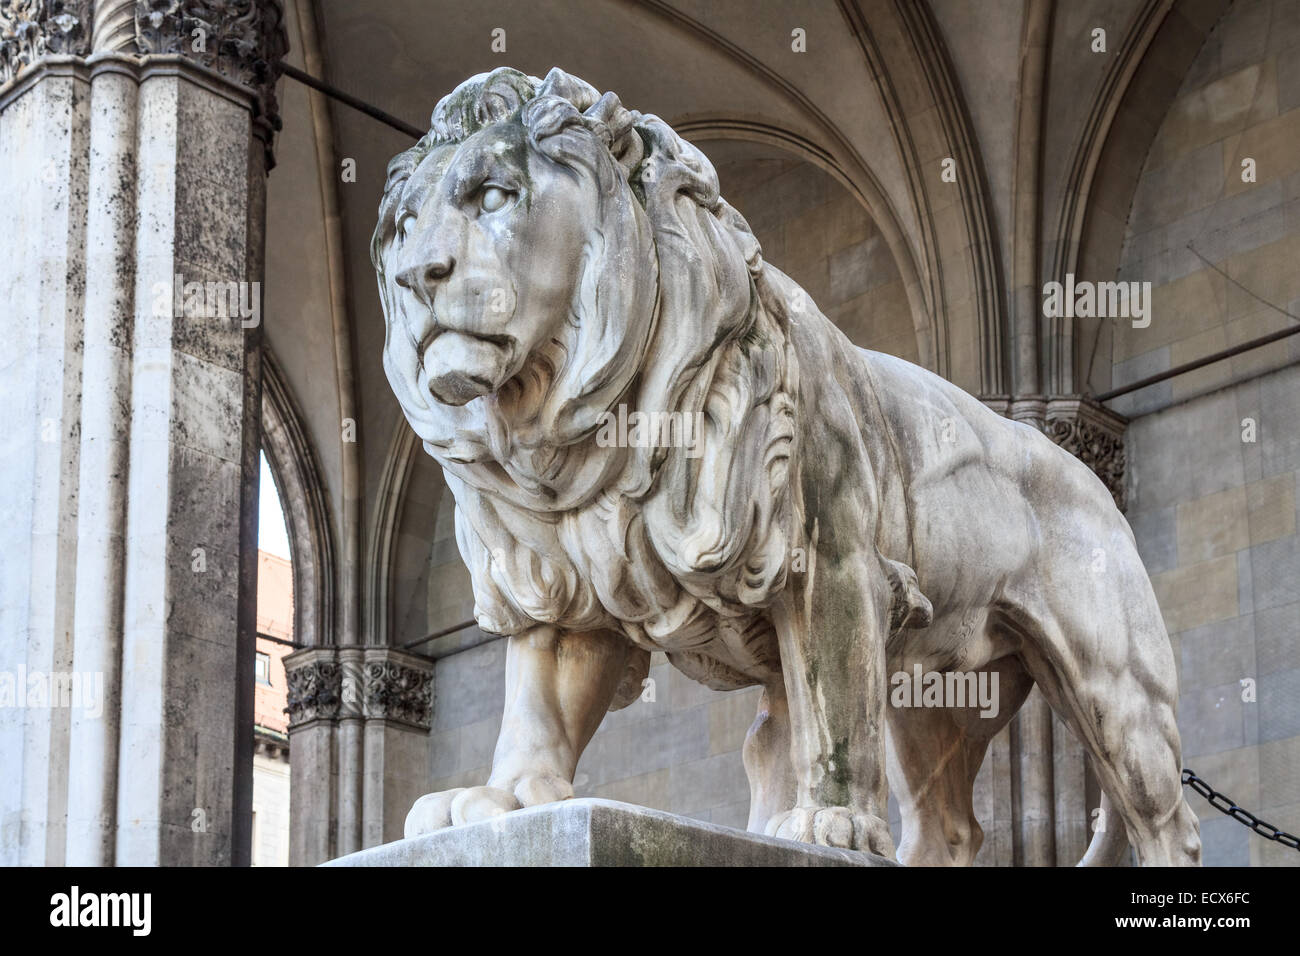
{"x": 421, "y": 278}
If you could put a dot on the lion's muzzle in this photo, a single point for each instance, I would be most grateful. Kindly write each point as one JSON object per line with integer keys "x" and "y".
{"x": 460, "y": 367}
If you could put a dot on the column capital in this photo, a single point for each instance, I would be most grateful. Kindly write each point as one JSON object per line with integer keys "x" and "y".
{"x": 399, "y": 687}
{"x": 375, "y": 683}
{"x": 314, "y": 682}
{"x": 243, "y": 40}
{"x": 32, "y": 29}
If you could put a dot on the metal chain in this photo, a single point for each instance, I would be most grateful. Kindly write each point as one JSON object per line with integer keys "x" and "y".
{"x": 1225, "y": 804}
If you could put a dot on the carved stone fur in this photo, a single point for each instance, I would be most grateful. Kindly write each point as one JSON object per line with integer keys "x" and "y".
{"x": 546, "y": 258}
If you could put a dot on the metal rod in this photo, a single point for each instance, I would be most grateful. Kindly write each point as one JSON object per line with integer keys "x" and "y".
{"x": 278, "y": 640}
{"x": 374, "y": 112}
{"x": 1198, "y": 363}
{"x": 414, "y": 131}
{"x": 437, "y": 634}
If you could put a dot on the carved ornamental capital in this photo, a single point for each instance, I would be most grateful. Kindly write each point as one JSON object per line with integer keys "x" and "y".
{"x": 31, "y": 29}
{"x": 314, "y": 681}
{"x": 243, "y": 40}
{"x": 371, "y": 683}
{"x": 396, "y": 690}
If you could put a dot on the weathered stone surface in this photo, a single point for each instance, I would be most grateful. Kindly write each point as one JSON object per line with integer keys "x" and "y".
{"x": 823, "y": 516}
{"x": 44, "y": 139}
{"x": 243, "y": 39}
{"x": 31, "y": 29}
{"x": 592, "y": 832}
{"x": 153, "y": 171}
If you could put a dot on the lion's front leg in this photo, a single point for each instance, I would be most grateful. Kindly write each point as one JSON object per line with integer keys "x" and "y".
{"x": 832, "y": 624}
{"x": 559, "y": 684}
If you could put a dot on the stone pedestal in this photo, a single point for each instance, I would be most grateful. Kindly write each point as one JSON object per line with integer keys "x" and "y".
{"x": 591, "y": 832}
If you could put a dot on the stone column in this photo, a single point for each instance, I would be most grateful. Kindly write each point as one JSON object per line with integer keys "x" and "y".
{"x": 359, "y": 721}
{"x": 351, "y": 755}
{"x": 399, "y": 713}
{"x": 1033, "y": 797}
{"x": 105, "y": 431}
{"x": 315, "y": 685}
{"x": 44, "y": 141}
{"x": 154, "y": 121}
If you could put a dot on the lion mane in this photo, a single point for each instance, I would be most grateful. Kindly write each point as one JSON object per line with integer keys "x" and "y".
{"x": 554, "y": 528}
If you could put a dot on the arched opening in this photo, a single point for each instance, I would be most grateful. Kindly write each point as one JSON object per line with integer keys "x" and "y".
{"x": 297, "y": 476}
{"x": 275, "y": 639}
{"x": 814, "y": 229}
{"x": 296, "y": 528}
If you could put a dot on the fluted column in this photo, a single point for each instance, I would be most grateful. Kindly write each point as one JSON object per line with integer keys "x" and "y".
{"x": 142, "y": 131}
{"x": 44, "y": 142}
{"x": 104, "y": 465}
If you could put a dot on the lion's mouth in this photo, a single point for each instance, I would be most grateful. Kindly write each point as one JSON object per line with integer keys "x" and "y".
{"x": 504, "y": 341}
{"x": 461, "y": 366}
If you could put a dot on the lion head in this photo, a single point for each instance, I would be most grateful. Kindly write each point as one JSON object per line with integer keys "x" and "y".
{"x": 544, "y": 254}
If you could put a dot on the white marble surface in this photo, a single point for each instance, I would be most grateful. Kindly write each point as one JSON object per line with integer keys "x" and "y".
{"x": 549, "y": 258}
{"x": 591, "y": 832}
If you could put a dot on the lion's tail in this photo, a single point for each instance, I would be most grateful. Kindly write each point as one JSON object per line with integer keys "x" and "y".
{"x": 1110, "y": 841}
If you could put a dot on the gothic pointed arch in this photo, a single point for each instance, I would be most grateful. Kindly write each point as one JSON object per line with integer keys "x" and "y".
{"x": 1122, "y": 121}
{"x": 302, "y": 492}
{"x": 930, "y": 124}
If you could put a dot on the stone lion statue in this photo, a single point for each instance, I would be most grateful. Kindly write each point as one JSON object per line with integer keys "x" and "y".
{"x": 548, "y": 258}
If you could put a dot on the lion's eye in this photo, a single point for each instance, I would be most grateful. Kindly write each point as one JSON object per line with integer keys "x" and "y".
{"x": 404, "y": 223}
{"x": 493, "y": 198}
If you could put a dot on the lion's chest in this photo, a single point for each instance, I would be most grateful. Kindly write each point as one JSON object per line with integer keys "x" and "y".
{"x": 715, "y": 642}
{"x": 596, "y": 568}
{"x": 719, "y": 651}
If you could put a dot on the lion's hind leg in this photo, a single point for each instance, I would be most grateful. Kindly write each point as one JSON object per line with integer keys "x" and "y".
{"x": 934, "y": 755}
{"x": 1103, "y": 660}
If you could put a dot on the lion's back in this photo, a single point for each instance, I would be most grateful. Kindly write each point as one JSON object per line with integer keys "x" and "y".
{"x": 968, "y": 470}
{"x": 941, "y": 428}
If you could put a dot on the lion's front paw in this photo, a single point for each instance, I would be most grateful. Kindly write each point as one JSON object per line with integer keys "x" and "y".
{"x": 536, "y": 788}
{"x": 450, "y": 808}
{"x": 453, "y": 808}
{"x": 834, "y": 826}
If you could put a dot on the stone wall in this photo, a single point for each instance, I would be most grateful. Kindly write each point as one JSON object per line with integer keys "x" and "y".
{"x": 814, "y": 232}
{"x": 1240, "y": 100}
{"x": 270, "y": 810}
{"x": 1215, "y": 518}
{"x": 1213, "y": 506}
